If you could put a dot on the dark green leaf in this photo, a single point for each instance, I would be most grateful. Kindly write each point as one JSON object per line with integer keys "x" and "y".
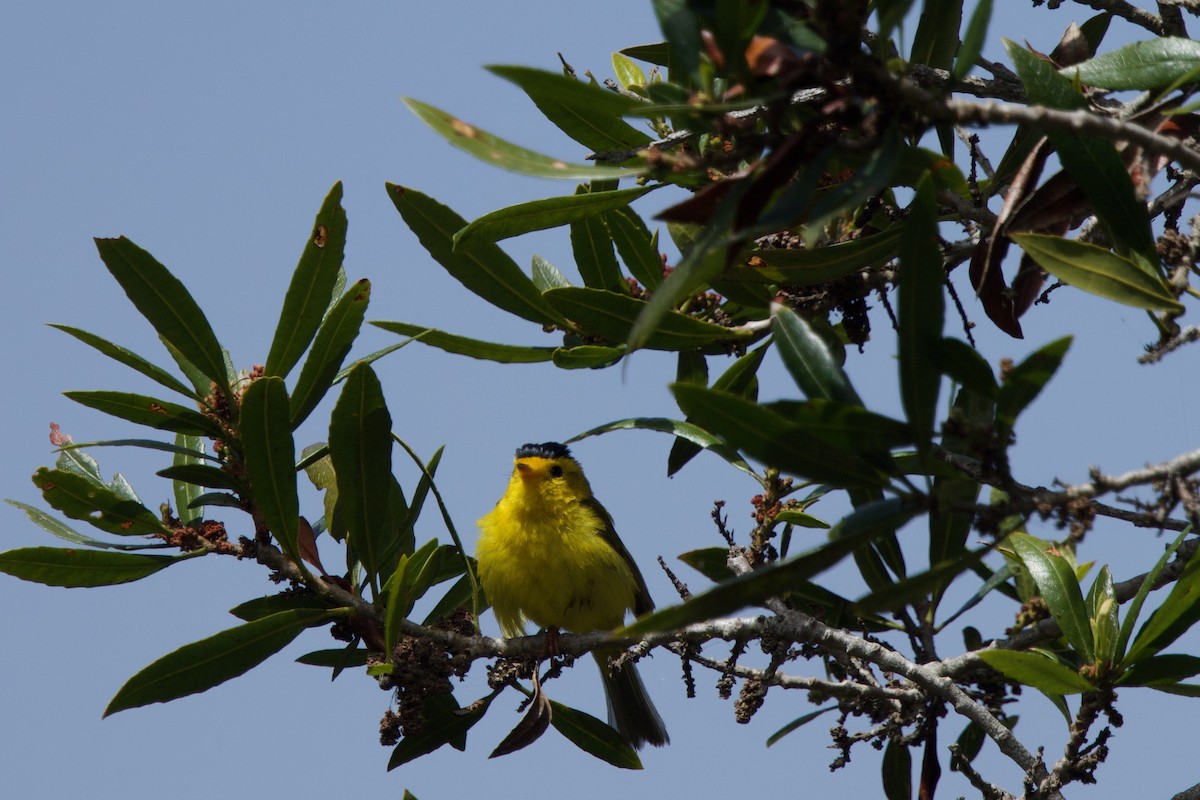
{"x": 539, "y": 215}
{"x": 798, "y": 722}
{"x": 261, "y": 607}
{"x": 1151, "y": 64}
{"x": 360, "y": 446}
{"x": 343, "y": 658}
{"x": 587, "y": 356}
{"x": 809, "y": 360}
{"x": 650, "y": 53}
{"x": 912, "y": 589}
{"x": 963, "y": 364}
{"x": 711, "y": 562}
{"x": 504, "y": 154}
{"x": 84, "y": 499}
{"x": 55, "y": 566}
{"x": 1178, "y": 613}
{"x": 1157, "y": 670}
{"x": 475, "y": 348}
{"x": 972, "y": 40}
{"x": 613, "y": 315}
{"x": 56, "y": 528}
{"x": 148, "y": 444}
{"x": 1092, "y": 162}
{"x": 638, "y": 248}
{"x": 593, "y": 736}
{"x": 446, "y": 727}
{"x": 1099, "y": 271}
{"x": 1025, "y": 382}
{"x": 209, "y": 662}
{"x": 1135, "y": 605}
{"x": 1036, "y": 670}
{"x": 936, "y": 38}
{"x": 588, "y": 114}
{"x": 486, "y": 270}
{"x": 811, "y": 267}
{"x": 684, "y": 431}
{"x": 149, "y": 411}
{"x": 332, "y": 344}
{"x": 592, "y": 248}
{"x": 311, "y": 289}
{"x": 1058, "y": 586}
{"x": 165, "y": 303}
{"x": 406, "y": 584}
{"x": 457, "y": 596}
{"x": 270, "y": 459}
{"x": 897, "y": 771}
{"x": 859, "y": 528}
{"x": 202, "y": 475}
{"x": 921, "y": 315}
{"x": 129, "y": 359}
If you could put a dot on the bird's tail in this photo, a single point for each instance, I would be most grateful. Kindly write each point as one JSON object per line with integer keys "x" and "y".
{"x": 629, "y": 708}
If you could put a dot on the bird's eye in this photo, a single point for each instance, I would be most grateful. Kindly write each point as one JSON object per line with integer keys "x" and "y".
{"x": 556, "y": 471}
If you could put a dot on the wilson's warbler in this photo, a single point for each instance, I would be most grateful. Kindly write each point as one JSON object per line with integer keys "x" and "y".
{"x": 548, "y": 553}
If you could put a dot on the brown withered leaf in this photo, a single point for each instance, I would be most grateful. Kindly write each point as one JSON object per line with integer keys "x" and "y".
{"x": 532, "y": 725}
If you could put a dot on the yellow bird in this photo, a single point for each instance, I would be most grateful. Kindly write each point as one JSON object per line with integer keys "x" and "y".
{"x": 548, "y": 553}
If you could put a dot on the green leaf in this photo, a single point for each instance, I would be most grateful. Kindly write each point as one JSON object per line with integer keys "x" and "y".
{"x": 613, "y": 315}
{"x": 261, "y": 607}
{"x": 1135, "y": 605}
{"x": 917, "y": 587}
{"x": 410, "y": 580}
{"x": 148, "y": 444}
{"x": 638, "y": 248}
{"x": 475, "y": 348}
{"x": 936, "y": 38}
{"x": 1059, "y": 587}
{"x": 342, "y": 658}
{"x": 798, "y": 722}
{"x": 1159, "y": 670}
{"x": 593, "y": 736}
{"x": 56, "y": 528}
{"x": 360, "y": 447}
{"x": 1179, "y": 612}
{"x": 59, "y": 566}
{"x": 1092, "y": 162}
{"x": 270, "y": 459}
{"x": 809, "y": 360}
{"x": 972, "y": 40}
{"x": 1102, "y": 609}
{"x": 332, "y": 344}
{"x": 149, "y": 411}
{"x": 1025, "y": 382}
{"x": 457, "y": 596}
{"x": 592, "y": 247}
{"x": 447, "y": 727}
{"x": 83, "y": 499}
{"x": 811, "y": 267}
{"x": 161, "y": 298}
{"x": 685, "y": 431}
{"x": 587, "y": 356}
{"x": 588, "y": 114}
{"x": 539, "y": 215}
{"x": 504, "y": 154}
{"x": 203, "y": 475}
{"x": 897, "y": 771}
{"x": 546, "y": 275}
{"x": 964, "y": 365}
{"x": 859, "y": 528}
{"x": 921, "y": 316}
{"x": 129, "y": 359}
{"x": 486, "y": 270}
{"x": 311, "y": 290}
{"x": 190, "y": 455}
{"x": 1151, "y": 64}
{"x": 209, "y": 662}
{"x": 711, "y": 562}
{"x": 628, "y": 73}
{"x": 1036, "y": 670}
{"x": 1098, "y": 271}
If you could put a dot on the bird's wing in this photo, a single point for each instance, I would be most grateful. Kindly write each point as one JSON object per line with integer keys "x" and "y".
{"x": 642, "y": 604}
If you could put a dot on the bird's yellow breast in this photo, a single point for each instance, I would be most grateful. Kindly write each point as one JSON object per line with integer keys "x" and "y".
{"x": 543, "y": 557}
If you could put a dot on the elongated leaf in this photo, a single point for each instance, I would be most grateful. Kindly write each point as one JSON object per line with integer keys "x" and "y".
{"x": 1059, "y": 587}
{"x": 53, "y": 526}
{"x": 209, "y": 662}
{"x": 539, "y": 215}
{"x": 261, "y": 607}
{"x": 917, "y": 587}
{"x": 897, "y": 771}
{"x": 344, "y": 658}
{"x": 638, "y": 248}
{"x": 682, "y": 430}
{"x": 936, "y": 38}
{"x": 1092, "y": 162}
{"x": 772, "y": 439}
{"x": 797, "y": 723}
{"x": 1179, "y": 612}
{"x": 593, "y": 736}
{"x": 546, "y": 275}
{"x": 270, "y": 458}
{"x": 129, "y": 359}
{"x": 406, "y": 584}
{"x": 613, "y": 315}
{"x": 1099, "y": 271}
{"x": 1159, "y": 670}
{"x": 486, "y": 270}
{"x": 83, "y": 499}
{"x": 592, "y": 248}
{"x": 1134, "y": 610}
{"x": 360, "y": 447}
{"x": 504, "y": 154}
{"x": 448, "y": 726}
{"x": 57, "y": 566}
{"x": 203, "y": 475}
{"x": 475, "y": 348}
{"x": 810, "y": 267}
{"x": 588, "y": 114}
{"x": 1025, "y": 382}
{"x": 148, "y": 444}
{"x": 1150, "y": 64}
{"x": 972, "y": 40}
{"x": 859, "y": 528}
{"x": 808, "y": 359}
{"x": 332, "y": 344}
{"x": 149, "y": 411}
{"x": 964, "y": 365}
{"x": 185, "y": 492}
{"x": 161, "y": 298}
{"x": 1038, "y": 671}
{"x": 922, "y": 315}
{"x": 587, "y": 356}
{"x": 741, "y": 378}
{"x": 311, "y": 290}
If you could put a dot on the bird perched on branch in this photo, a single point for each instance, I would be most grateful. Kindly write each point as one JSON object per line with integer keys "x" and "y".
{"x": 548, "y": 553}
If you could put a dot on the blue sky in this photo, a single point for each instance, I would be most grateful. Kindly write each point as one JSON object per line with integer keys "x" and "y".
{"x": 209, "y": 135}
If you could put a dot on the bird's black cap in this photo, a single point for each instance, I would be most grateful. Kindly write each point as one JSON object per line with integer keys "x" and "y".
{"x": 543, "y": 450}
